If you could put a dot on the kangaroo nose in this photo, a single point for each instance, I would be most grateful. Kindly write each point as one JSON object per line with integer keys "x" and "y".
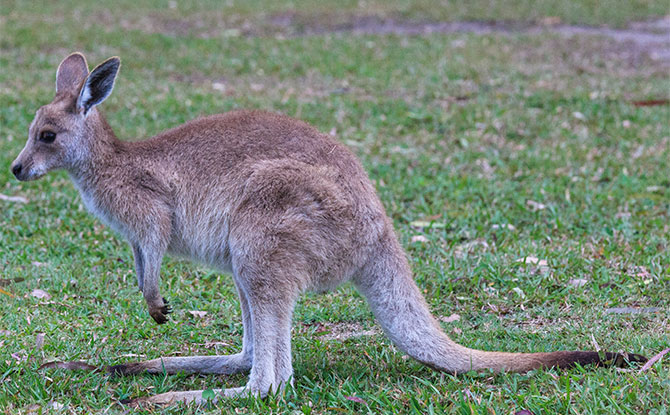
{"x": 16, "y": 169}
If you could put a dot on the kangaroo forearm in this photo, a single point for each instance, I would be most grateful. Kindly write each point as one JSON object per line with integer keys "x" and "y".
{"x": 139, "y": 266}
{"x": 150, "y": 273}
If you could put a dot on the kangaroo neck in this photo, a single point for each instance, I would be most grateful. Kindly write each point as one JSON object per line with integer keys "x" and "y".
{"x": 103, "y": 151}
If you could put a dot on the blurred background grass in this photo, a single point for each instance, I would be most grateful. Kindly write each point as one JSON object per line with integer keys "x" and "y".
{"x": 526, "y": 126}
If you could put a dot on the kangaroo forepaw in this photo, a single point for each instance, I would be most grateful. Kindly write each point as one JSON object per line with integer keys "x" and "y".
{"x": 167, "y": 309}
{"x": 159, "y": 314}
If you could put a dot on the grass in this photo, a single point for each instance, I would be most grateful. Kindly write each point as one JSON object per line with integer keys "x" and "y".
{"x": 463, "y": 130}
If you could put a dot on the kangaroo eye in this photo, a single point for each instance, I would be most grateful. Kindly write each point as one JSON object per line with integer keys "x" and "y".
{"x": 47, "y": 136}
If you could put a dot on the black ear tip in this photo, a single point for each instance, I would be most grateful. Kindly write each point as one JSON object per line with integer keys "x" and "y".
{"x": 115, "y": 60}
{"x": 109, "y": 65}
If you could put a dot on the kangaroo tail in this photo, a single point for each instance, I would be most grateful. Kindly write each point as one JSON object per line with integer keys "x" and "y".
{"x": 387, "y": 283}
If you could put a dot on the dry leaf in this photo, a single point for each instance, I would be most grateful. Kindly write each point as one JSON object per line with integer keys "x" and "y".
{"x": 427, "y": 224}
{"x": 18, "y": 356}
{"x": 519, "y": 291}
{"x": 490, "y": 290}
{"x": 41, "y": 294}
{"x": 472, "y": 396}
{"x": 533, "y": 261}
{"x": 653, "y": 360}
{"x": 197, "y": 313}
{"x": 523, "y": 412}
{"x": 32, "y": 408}
{"x": 38, "y": 264}
{"x": 596, "y": 346}
{"x": 541, "y": 264}
{"x": 18, "y": 199}
{"x": 214, "y": 343}
{"x": 355, "y": 399}
{"x": 450, "y": 319}
{"x": 651, "y": 102}
{"x": 578, "y": 282}
{"x": 462, "y": 250}
{"x": 632, "y": 310}
{"x": 6, "y": 293}
{"x": 39, "y": 341}
{"x": 419, "y": 238}
{"x": 4, "y": 281}
{"x": 507, "y": 226}
{"x": 535, "y": 206}
{"x": 641, "y": 272}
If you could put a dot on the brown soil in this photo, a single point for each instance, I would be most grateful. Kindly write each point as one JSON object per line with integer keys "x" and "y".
{"x": 652, "y": 37}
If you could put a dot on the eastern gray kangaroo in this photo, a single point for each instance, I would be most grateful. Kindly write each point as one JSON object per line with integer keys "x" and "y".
{"x": 264, "y": 197}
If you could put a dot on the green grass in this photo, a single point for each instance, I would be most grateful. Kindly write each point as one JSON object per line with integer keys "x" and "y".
{"x": 460, "y": 129}
{"x": 214, "y": 16}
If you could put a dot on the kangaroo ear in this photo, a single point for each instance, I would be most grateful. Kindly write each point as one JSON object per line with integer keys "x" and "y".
{"x": 71, "y": 72}
{"x": 98, "y": 85}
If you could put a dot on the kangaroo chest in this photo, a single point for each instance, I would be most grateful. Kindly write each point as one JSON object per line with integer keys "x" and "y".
{"x": 94, "y": 205}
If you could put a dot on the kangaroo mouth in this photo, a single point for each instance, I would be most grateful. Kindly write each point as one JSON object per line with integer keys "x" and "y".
{"x": 28, "y": 174}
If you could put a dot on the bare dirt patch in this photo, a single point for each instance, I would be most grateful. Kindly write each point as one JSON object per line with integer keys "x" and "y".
{"x": 640, "y": 41}
{"x": 651, "y": 37}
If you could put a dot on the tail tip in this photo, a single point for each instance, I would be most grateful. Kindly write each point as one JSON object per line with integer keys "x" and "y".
{"x": 623, "y": 359}
{"x": 607, "y": 359}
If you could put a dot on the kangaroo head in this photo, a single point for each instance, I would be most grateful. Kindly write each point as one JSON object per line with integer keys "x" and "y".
{"x": 62, "y": 133}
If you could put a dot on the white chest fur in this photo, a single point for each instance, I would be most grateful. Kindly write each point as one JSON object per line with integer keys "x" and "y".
{"x": 92, "y": 205}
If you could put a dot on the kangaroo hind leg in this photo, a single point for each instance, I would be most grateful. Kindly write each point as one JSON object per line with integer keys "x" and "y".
{"x": 271, "y": 310}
